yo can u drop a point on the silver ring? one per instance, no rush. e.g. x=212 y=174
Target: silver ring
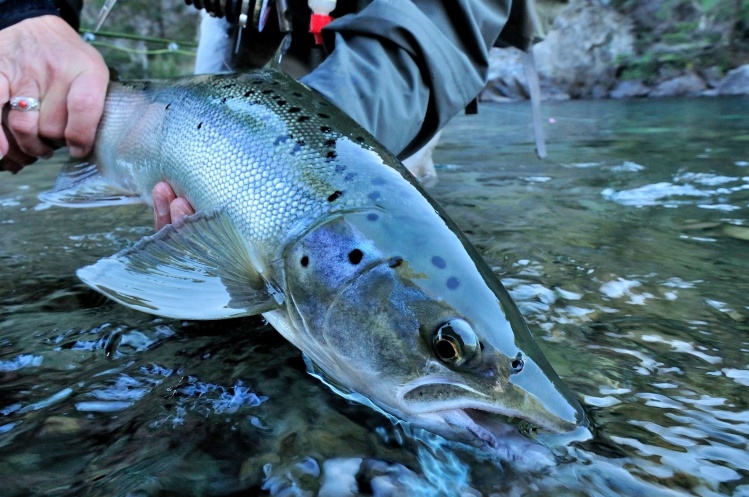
x=24 y=104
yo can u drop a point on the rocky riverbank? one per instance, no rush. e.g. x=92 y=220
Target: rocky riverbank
x=586 y=53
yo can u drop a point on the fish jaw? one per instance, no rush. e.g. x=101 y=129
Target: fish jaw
x=473 y=417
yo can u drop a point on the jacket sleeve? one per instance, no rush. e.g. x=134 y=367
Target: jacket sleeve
x=15 y=11
x=403 y=68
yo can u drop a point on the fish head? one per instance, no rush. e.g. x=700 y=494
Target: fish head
x=421 y=328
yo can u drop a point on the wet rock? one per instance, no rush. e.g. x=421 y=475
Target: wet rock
x=689 y=84
x=629 y=89
x=507 y=80
x=580 y=54
x=736 y=82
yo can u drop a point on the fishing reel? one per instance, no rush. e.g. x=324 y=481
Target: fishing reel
x=244 y=12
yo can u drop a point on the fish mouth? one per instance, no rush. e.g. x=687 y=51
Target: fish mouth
x=469 y=415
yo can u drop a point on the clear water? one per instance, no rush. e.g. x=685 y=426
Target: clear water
x=626 y=251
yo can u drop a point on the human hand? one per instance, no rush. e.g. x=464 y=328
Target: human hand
x=167 y=206
x=45 y=59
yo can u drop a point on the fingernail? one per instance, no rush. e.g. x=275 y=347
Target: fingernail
x=161 y=207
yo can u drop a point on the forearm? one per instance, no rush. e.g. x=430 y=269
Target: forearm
x=15 y=11
x=402 y=69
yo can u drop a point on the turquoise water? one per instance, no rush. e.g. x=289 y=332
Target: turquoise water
x=625 y=250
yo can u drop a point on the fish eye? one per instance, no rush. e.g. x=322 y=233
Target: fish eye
x=455 y=342
x=517 y=364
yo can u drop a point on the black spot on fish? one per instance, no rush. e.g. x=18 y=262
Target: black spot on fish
x=372 y=217
x=331 y=155
x=325 y=129
x=200 y=125
x=248 y=93
x=359 y=139
x=395 y=261
x=297 y=149
x=223 y=100
x=439 y=262
x=294 y=109
x=301 y=119
x=258 y=82
x=305 y=261
x=296 y=94
x=267 y=92
x=230 y=85
x=339 y=168
x=355 y=256
x=452 y=282
x=167 y=106
x=281 y=102
x=323 y=115
x=335 y=195
x=281 y=139
x=349 y=177
x=330 y=143
x=378 y=181
x=374 y=195
x=301 y=143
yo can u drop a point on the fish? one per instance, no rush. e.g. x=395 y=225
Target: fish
x=303 y=217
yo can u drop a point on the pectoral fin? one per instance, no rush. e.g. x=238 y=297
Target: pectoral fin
x=81 y=185
x=198 y=268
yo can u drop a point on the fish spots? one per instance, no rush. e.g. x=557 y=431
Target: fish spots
x=439 y=262
x=335 y=195
x=296 y=94
x=394 y=262
x=248 y=93
x=330 y=143
x=280 y=140
x=378 y=181
x=349 y=177
x=267 y=91
x=281 y=102
x=304 y=261
x=302 y=119
x=323 y=115
x=355 y=256
x=223 y=100
x=372 y=217
x=374 y=196
x=230 y=85
x=200 y=125
x=294 y=110
x=167 y=106
x=331 y=155
x=297 y=148
x=326 y=129
x=360 y=139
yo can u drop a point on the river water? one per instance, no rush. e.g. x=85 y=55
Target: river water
x=625 y=250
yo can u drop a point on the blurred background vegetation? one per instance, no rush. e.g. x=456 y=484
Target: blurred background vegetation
x=144 y=39
x=157 y=38
x=685 y=35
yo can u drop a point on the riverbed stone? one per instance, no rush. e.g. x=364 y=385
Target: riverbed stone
x=581 y=53
x=629 y=89
x=689 y=84
x=736 y=82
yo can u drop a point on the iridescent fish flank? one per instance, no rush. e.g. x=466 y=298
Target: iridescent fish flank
x=303 y=217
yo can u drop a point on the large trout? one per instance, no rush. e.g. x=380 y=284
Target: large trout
x=303 y=217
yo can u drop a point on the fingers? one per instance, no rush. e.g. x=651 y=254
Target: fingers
x=24 y=125
x=85 y=107
x=167 y=207
x=163 y=195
